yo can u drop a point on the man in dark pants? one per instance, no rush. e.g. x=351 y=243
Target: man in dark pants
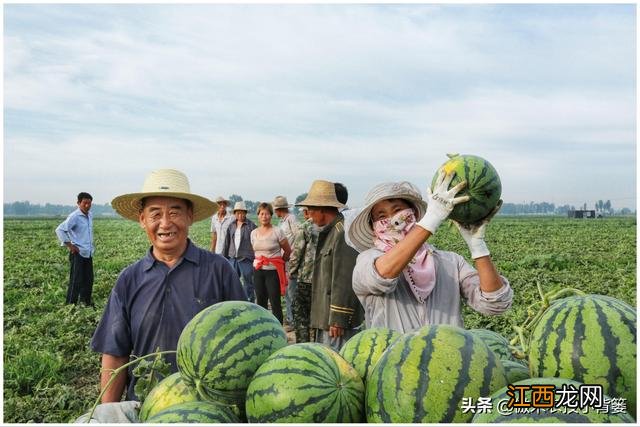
x=76 y=233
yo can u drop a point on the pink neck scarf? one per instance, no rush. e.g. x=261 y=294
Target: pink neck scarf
x=420 y=272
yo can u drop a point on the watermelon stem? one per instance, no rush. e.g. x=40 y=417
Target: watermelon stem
x=117 y=371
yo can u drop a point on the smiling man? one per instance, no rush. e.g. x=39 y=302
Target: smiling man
x=155 y=297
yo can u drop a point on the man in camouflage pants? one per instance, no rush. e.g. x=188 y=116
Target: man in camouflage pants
x=301 y=264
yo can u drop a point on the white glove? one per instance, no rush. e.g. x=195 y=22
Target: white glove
x=441 y=201
x=474 y=234
x=112 y=413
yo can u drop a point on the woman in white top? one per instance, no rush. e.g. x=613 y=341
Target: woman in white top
x=271 y=250
x=404 y=283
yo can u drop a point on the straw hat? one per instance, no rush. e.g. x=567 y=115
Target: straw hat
x=280 y=202
x=360 y=231
x=164 y=183
x=321 y=193
x=221 y=199
x=240 y=206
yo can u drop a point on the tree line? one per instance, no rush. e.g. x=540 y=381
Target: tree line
x=25 y=208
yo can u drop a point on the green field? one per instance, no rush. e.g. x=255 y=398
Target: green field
x=50 y=375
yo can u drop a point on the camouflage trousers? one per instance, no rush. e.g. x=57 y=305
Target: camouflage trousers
x=302 y=312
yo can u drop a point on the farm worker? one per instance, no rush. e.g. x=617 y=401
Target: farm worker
x=155 y=297
x=76 y=233
x=289 y=226
x=336 y=313
x=405 y=283
x=237 y=247
x=301 y=264
x=219 y=224
x=272 y=251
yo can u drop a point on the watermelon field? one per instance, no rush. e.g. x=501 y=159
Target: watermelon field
x=51 y=376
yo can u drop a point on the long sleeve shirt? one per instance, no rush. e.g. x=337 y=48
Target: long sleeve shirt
x=78 y=229
x=390 y=303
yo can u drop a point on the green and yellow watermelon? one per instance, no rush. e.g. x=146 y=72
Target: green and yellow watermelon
x=194 y=412
x=221 y=348
x=365 y=348
x=483 y=187
x=425 y=375
x=565 y=408
x=305 y=383
x=170 y=391
x=498 y=343
x=590 y=339
x=515 y=371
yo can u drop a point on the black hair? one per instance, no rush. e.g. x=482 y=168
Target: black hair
x=83 y=195
x=341 y=193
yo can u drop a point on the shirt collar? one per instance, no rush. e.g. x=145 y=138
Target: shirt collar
x=190 y=254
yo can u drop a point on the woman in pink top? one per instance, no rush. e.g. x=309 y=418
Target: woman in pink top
x=272 y=250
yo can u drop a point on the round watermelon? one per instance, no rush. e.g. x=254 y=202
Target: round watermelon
x=365 y=348
x=590 y=339
x=425 y=375
x=168 y=392
x=503 y=412
x=221 y=348
x=194 y=412
x=305 y=383
x=515 y=371
x=483 y=186
x=498 y=344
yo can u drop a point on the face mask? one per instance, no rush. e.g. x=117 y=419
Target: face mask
x=389 y=231
x=420 y=272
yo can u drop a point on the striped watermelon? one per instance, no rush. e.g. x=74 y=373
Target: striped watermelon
x=424 y=375
x=194 y=412
x=365 y=348
x=498 y=344
x=220 y=349
x=561 y=413
x=483 y=186
x=170 y=391
x=305 y=383
x=515 y=371
x=590 y=339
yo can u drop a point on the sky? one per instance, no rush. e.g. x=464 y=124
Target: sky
x=261 y=100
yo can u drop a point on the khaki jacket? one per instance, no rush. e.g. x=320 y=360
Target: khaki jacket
x=333 y=300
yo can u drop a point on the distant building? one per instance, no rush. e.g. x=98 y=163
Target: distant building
x=579 y=213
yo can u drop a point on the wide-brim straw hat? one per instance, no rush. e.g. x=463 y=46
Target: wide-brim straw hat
x=240 y=206
x=280 y=202
x=321 y=193
x=164 y=183
x=360 y=231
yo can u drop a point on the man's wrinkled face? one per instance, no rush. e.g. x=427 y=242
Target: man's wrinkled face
x=166 y=221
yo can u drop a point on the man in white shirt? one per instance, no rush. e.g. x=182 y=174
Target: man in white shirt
x=219 y=225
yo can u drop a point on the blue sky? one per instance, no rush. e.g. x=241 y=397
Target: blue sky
x=260 y=100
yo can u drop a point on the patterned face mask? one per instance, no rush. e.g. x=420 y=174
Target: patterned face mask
x=420 y=273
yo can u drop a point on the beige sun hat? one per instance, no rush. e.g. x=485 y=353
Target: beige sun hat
x=221 y=199
x=280 y=202
x=240 y=206
x=164 y=183
x=360 y=231
x=321 y=193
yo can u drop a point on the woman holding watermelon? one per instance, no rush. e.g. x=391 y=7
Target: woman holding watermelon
x=405 y=283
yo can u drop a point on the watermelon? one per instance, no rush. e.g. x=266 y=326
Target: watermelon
x=425 y=375
x=305 y=383
x=560 y=413
x=498 y=344
x=590 y=339
x=483 y=187
x=221 y=348
x=194 y=412
x=515 y=371
x=168 y=392
x=365 y=348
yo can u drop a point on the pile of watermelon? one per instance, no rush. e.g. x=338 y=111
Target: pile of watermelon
x=235 y=366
